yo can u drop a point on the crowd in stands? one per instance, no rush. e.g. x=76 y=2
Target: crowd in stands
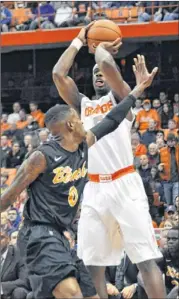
x=22 y=15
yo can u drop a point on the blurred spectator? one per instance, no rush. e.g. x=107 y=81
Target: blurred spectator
x=126 y=278
x=138 y=148
x=13 y=274
x=22 y=16
x=15 y=156
x=43 y=135
x=170 y=263
x=14 y=134
x=14 y=219
x=166 y=114
x=163 y=97
x=156 y=184
x=169 y=169
x=27 y=140
x=6 y=18
x=172 y=129
x=176 y=219
x=4 y=150
x=153 y=154
x=4 y=223
x=63 y=14
x=45 y=14
x=177 y=203
x=146 y=16
x=110 y=275
x=143 y=116
x=14 y=117
x=37 y=114
x=22 y=123
x=13 y=238
x=150 y=135
x=157 y=106
x=144 y=168
x=31 y=126
x=169 y=213
x=170 y=13
x=81 y=13
x=176 y=103
x=160 y=143
x=3 y=178
x=122 y=279
x=138 y=106
x=4 y=123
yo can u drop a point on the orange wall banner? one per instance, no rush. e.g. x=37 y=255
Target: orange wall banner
x=65 y=35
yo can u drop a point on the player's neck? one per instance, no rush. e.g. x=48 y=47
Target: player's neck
x=100 y=95
x=69 y=145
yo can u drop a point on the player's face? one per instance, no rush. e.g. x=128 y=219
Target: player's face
x=99 y=83
x=77 y=126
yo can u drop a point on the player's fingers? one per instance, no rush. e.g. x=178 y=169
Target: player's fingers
x=116 y=47
x=142 y=59
x=116 y=42
x=134 y=69
x=135 y=61
x=154 y=71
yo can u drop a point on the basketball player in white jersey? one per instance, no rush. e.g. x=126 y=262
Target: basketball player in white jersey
x=115 y=208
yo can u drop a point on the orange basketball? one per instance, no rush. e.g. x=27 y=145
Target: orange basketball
x=102 y=31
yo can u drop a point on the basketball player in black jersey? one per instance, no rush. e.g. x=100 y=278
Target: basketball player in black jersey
x=55 y=175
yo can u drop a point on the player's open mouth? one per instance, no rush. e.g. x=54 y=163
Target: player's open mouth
x=99 y=83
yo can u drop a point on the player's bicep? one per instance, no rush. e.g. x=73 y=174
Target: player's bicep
x=31 y=168
x=68 y=90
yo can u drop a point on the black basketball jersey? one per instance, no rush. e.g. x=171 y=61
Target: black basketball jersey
x=55 y=195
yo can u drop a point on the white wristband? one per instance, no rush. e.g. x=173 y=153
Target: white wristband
x=77 y=43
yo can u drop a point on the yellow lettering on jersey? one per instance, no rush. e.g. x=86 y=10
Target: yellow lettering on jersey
x=66 y=175
x=73 y=196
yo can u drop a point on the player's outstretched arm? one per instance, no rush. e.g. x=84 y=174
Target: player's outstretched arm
x=108 y=67
x=113 y=119
x=65 y=85
x=27 y=173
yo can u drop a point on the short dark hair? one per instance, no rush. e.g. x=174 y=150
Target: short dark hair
x=34 y=103
x=160 y=131
x=56 y=113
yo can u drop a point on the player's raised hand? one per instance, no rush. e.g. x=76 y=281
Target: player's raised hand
x=112 y=47
x=141 y=72
x=83 y=33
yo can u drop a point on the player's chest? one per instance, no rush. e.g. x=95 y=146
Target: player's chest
x=93 y=112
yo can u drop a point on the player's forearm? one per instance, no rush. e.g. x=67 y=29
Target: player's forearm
x=64 y=64
x=113 y=119
x=111 y=73
x=7 y=199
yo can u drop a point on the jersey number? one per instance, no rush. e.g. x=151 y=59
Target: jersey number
x=72 y=196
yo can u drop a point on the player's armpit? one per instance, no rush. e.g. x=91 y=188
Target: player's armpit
x=27 y=173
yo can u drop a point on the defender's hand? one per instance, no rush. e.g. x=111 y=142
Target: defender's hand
x=141 y=72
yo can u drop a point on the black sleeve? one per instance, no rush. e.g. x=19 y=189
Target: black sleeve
x=113 y=119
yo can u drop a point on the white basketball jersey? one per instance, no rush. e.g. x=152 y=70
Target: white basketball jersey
x=113 y=151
